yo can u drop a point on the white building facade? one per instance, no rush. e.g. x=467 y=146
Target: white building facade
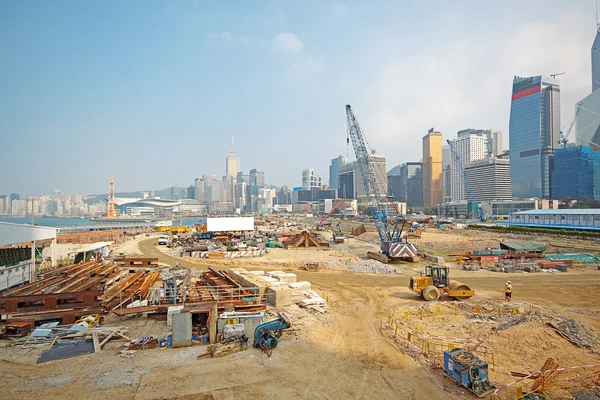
x=469 y=146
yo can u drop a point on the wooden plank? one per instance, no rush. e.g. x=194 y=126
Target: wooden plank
x=96 y=342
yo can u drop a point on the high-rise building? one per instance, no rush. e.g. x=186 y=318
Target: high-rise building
x=405 y=183
x=310 y=180
x=587 y=111
x=470 y=145
x=350 y=179
x=432 y=168
x=576 y=173
x=489 y=179
x=334 y=171
x=199 y=189
x=232 y=165
x=257 y=178
x=446 y=175
x=534 y=134
x=596 y=61
x=284 y=196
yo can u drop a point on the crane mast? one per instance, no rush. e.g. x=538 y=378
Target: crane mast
x=390 y=233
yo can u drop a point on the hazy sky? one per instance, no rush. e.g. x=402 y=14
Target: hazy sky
x=152 y=91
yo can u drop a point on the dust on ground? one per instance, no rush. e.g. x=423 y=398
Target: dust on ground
x=342 y=354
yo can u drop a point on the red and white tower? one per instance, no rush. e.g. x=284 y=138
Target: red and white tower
x=111 y=198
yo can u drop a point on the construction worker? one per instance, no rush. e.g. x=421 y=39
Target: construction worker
x=508 y=291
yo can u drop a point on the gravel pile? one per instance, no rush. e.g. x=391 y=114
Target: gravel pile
x=575 y=332
x=372 y=267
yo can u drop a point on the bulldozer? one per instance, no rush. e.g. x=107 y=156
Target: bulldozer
x=437 y=281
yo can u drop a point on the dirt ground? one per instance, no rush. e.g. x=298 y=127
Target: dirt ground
x=344 y=354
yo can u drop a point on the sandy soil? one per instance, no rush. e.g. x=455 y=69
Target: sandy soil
x=342 y=354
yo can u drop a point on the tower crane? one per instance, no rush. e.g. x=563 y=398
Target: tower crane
x=393 y=247
x=564 y=139
x=468 y=188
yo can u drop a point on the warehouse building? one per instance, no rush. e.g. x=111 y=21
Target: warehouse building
x=564 y=219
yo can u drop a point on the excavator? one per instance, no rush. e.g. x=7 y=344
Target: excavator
x=436 y=282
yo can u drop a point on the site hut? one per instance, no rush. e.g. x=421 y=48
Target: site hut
x=20 y=248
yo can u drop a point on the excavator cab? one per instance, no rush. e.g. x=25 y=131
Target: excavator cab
x=439 y=275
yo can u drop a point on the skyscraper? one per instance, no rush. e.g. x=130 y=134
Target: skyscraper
x=534 y=133
x=432 y=168
x=232 y=166
x=310 y=180
x=588 y=109
x=334 y=171
x=446 y=176
x=470 y=145
x=596 y=61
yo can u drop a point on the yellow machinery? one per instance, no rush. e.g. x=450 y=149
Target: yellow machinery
x=437 y=281
x=173 y=229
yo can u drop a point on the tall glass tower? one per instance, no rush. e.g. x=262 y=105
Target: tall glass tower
x=534 y=133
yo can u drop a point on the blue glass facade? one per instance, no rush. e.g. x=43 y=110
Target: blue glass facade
x=576 y=173
x=533 y=133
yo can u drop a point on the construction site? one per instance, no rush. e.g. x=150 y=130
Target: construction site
x=294 y=306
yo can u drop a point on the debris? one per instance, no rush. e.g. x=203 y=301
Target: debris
x=573 y=331
x=142 y=343
x=372 y=267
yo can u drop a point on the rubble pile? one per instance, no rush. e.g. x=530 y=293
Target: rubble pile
x=576 y=332
x=372 y=267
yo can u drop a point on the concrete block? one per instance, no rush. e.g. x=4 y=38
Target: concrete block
x=279 y=296
x=289 y=278
x=300 y=285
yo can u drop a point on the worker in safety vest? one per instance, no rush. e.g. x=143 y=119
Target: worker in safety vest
x=508 y=291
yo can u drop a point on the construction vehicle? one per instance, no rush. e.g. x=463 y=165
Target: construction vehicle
x=338 y=238
x=266 y=335
x=394 y=245
x=469 y=371
x=437 y=281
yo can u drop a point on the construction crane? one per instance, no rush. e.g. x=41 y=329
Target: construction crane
x=330 y=213
x=553 y=76
x=469 y=189
x=564 y=138
x=393 y=247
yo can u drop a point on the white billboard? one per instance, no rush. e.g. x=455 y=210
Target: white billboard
x=230 y=224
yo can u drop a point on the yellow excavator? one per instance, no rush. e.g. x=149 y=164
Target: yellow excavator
x=437 y=281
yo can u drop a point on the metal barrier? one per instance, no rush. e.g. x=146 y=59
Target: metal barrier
x=433 y=347
x=455 y=307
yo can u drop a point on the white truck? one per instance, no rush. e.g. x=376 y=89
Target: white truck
x=163 y=240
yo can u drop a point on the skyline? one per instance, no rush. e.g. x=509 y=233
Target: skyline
x=152 y=92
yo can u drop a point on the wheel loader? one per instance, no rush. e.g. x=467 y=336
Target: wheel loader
x=435 y=282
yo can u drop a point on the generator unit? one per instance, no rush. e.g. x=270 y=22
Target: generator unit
x=469 y=371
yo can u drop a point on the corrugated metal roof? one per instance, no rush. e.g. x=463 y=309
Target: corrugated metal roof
x=523 y=246
x=576 y=227
x=11 y=233
x=569 y=211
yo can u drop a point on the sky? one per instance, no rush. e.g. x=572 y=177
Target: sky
x=152 y=91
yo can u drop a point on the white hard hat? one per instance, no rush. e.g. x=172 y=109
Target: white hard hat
x=507 y=282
